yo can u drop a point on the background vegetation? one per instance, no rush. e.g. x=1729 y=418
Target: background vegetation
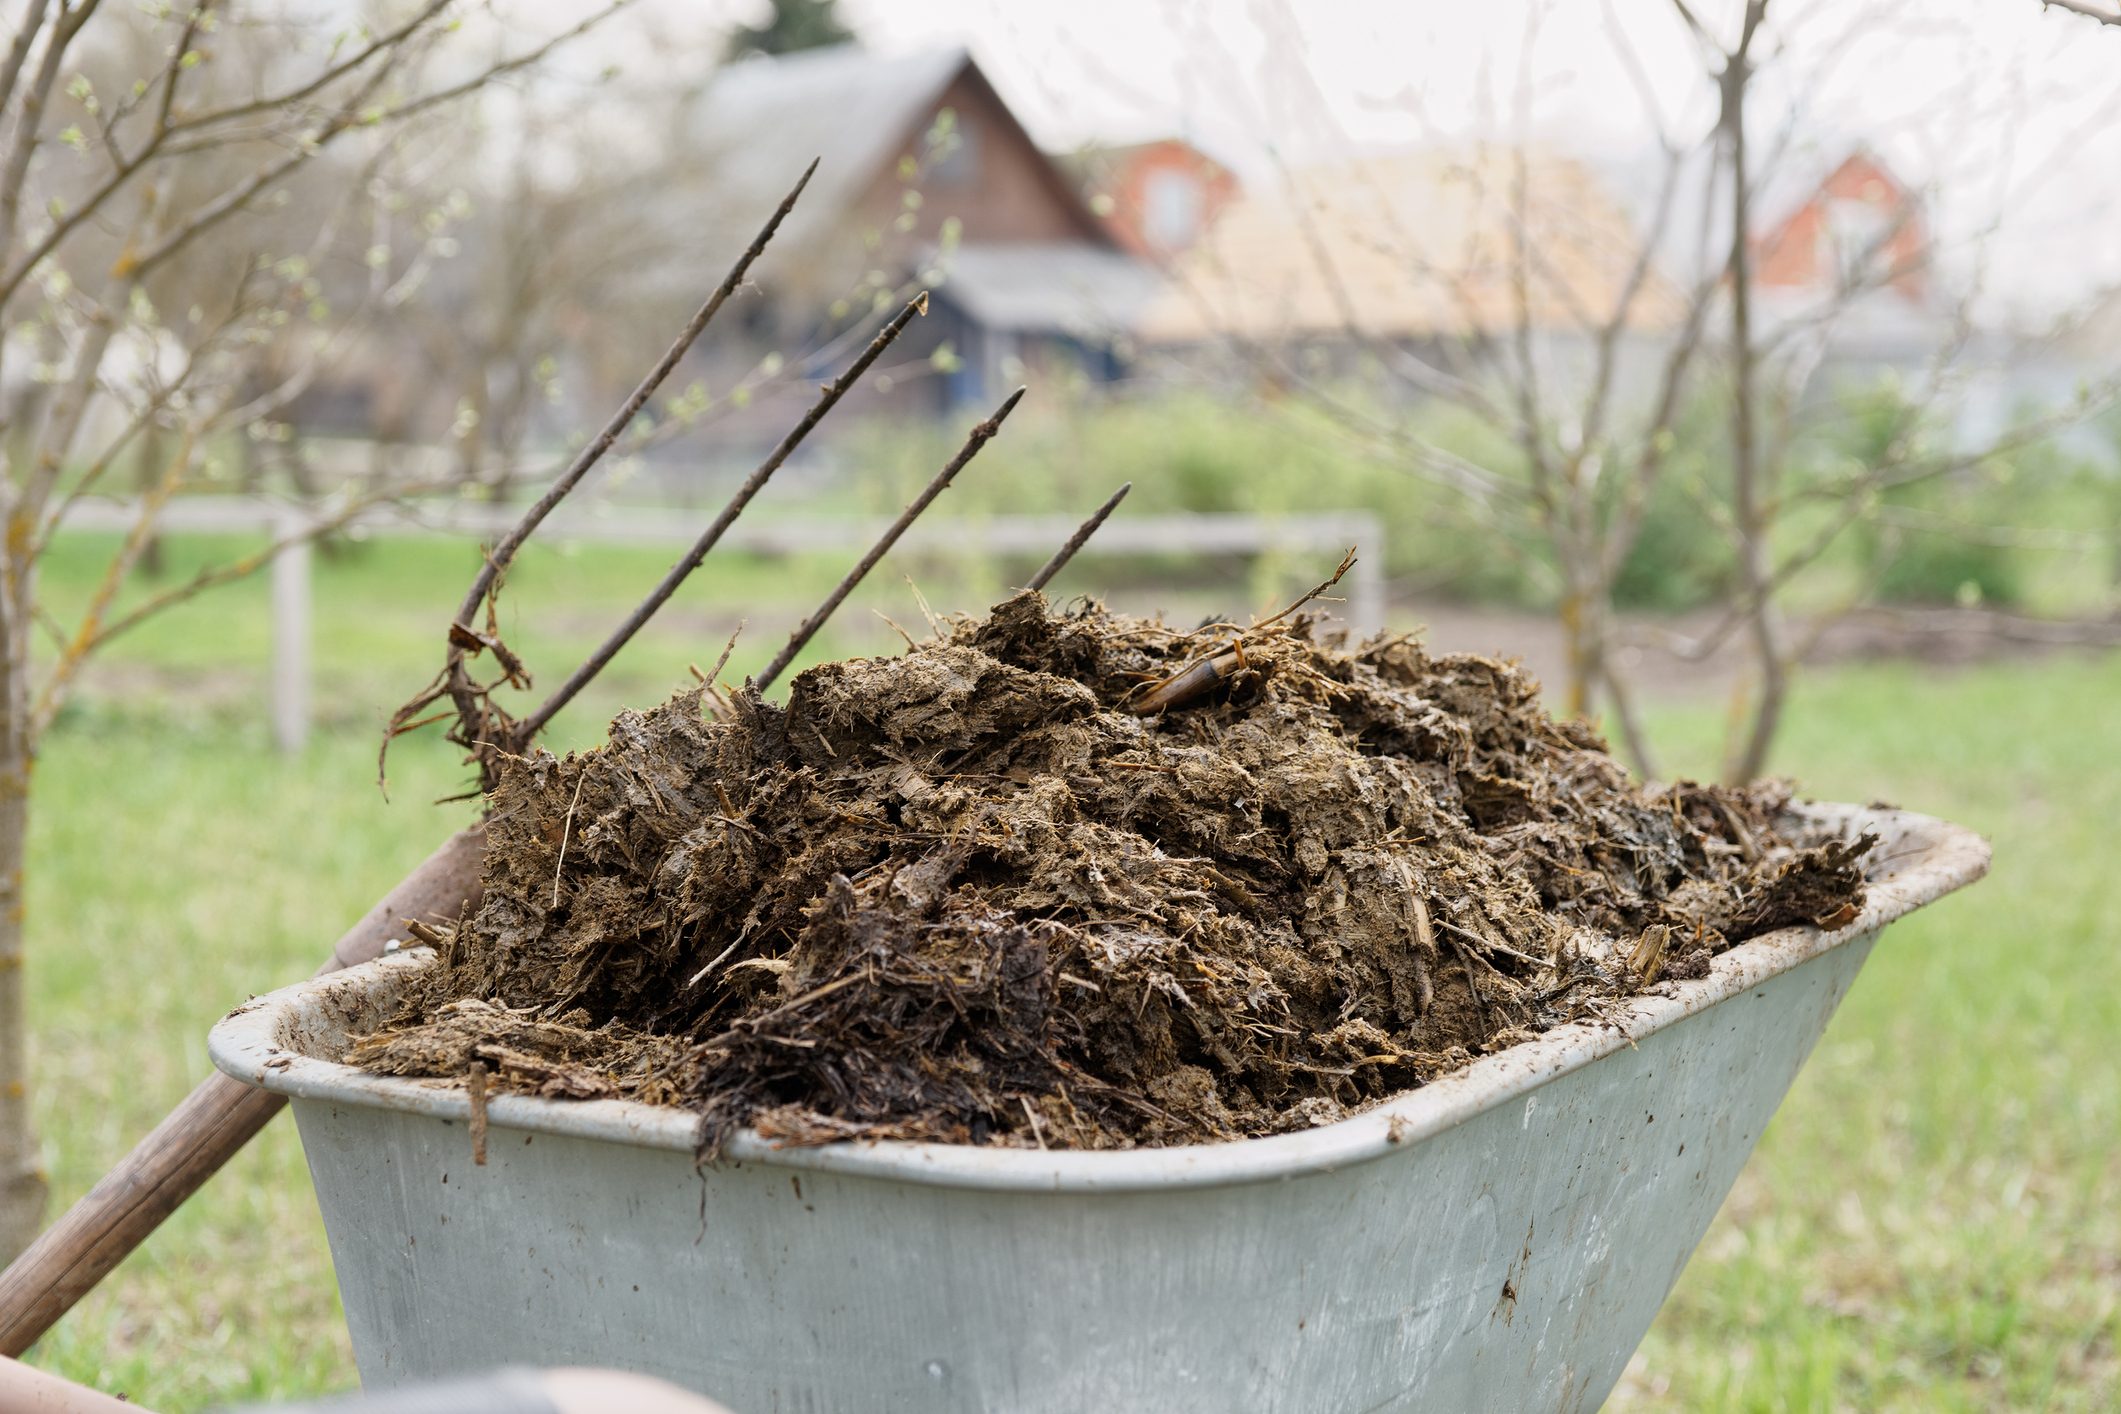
x=2037 y=531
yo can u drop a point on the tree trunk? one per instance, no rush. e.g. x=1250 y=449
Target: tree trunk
x=1749 y=756
x=22 y=1173
x=147 y=473
x=1576 y=646
x=1586 y=598
x=250 y=463
x=308 y=488
x=19 y=424
x=1750 y=496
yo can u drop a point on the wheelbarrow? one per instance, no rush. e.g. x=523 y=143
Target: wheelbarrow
x=1498 y=1239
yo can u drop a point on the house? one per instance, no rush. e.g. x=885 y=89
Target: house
x=1847 y=280
x=1158 y=198
x=1417 y=251
x=1850 y=288
x=1859 y=224
x=1843 y=255
x=925 y=178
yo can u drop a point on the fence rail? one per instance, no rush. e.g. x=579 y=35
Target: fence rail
x=289 y=696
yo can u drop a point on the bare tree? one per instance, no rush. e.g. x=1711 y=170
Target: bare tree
x=1781 y=527
x=1490 y=251
x=1590 y=345
x=552 y=264
x=149 y=247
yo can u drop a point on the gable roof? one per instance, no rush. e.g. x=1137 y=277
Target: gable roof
x=761 y=120
x=1048 y=287
x=1408 y=245
x=1793 y=185
x=1092 y=161
x=1697 y=239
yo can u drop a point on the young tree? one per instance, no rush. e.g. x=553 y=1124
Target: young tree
x=570 y=255
x=1590 y=348
x=153 y=265
x=1780 y=516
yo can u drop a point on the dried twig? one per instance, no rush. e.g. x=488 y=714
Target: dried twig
x=1347 y=562
x=657 y=597
x=1081 y=537
x=1209 y=670
x=707 y=678
x=976 y=439
x=1038 y=1131
x=567 y=831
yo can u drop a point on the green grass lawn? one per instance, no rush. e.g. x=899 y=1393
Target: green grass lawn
x=379 y=608
x=1934 y=1222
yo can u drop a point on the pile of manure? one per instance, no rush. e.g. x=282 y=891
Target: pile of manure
x=1066 y=877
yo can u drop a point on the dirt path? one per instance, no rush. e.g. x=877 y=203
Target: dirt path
x=1944 y=637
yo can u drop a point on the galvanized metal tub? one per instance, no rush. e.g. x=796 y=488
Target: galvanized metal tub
x=1499 y=1239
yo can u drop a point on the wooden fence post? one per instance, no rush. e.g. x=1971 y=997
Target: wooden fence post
x=1365 y=609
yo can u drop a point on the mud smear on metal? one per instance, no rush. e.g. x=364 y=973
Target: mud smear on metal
x=974 y=894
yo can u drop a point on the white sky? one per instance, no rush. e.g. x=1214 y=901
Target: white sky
x=2006 y=110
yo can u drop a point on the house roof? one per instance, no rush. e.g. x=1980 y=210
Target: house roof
x=1068 y=288
x=1092 y=161
x=1802 y=178
x=1409 y=245
x=762 y=120
x=1698 y=237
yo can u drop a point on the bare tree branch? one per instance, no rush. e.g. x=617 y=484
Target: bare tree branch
x=2087 y=10
x=228 y=572
x=349 y=116
x=29 y=117
x=494 y=73
x=385 y=42
x=88 y=632
x=18 y=49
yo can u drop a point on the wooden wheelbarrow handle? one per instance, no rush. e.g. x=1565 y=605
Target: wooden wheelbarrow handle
x=204 y=1131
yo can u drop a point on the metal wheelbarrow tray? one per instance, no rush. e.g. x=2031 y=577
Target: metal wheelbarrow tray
x=1499 y=1239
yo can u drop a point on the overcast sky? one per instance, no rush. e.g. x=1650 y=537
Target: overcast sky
x=2009 y=111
